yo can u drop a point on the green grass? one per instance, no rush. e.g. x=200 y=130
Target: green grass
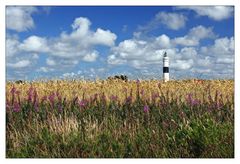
x=169 y=129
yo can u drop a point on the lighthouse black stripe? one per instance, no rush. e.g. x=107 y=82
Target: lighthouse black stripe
x=165 y=69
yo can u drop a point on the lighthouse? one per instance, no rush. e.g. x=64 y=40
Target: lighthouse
x=165 y=67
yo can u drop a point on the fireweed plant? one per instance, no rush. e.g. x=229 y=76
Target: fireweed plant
x=118 y=119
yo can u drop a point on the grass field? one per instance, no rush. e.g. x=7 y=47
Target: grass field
x=113 y=118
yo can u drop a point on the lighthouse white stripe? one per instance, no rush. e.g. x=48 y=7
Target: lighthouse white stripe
x=165 y=64
x=166 y=76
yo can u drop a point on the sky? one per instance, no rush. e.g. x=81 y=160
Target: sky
x=101 y=41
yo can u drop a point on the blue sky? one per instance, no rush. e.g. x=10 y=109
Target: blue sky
x=97 y=42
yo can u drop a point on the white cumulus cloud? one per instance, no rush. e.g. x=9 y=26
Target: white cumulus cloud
x=34 y=44
x=170 y=20
x=19 y=64
x=222 y=50
x=173 y=21
x=64 y=51
x=194 y=36
x=164 y=41
x=217 y=13
x=19 y=18
x=12 y=44
x=188 y=60
x=91 y=57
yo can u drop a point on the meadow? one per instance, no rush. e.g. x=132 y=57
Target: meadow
x=119 y=119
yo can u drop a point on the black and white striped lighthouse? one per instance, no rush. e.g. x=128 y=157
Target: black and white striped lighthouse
x=165 y=67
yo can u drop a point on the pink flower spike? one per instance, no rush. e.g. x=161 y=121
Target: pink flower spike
x=13 y=90
x=114 y=98
x=146 y=108
x=16 y=107
x=82 y=103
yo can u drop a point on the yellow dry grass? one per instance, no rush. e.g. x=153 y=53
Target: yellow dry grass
x=70 y=89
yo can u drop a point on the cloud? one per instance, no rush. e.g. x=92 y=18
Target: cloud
x=70 y=48
x=45 y=69
x=190 y=59
x=84 y=37
x=91 y=73
x=137 y=52
x=103 y=37
x=222 y=50
x=20 y=18
x=50 y=62
x=173 y=21
x=194 y=36
x=216 y=13
x=188 y=53
x=11 y=45
x=34 y=44
x=80 y=43
x=19 y=64
x=63 y=52
x=183 y=64
x=140 y=55
x=91 y=57
x=164 y=41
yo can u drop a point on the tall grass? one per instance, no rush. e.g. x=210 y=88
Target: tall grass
x=110 y=118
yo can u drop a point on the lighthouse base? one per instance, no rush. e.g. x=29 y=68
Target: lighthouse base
x=165 y=77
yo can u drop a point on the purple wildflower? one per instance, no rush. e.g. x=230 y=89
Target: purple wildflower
x=103 y=98
x=36 y=106
x=138 y=82
x=13 y=90
x=146 y=108
x=57 y=94
x=8 y=106
x=35 y=96
x=195 y=102
x=51 y=99
x=191 y=100
x=59 y=107
x=82 y=103
x=154 y=96
x=30 y=94
x=128 y=100
x=16 y=107
x=114 y=98
x=217 y=105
